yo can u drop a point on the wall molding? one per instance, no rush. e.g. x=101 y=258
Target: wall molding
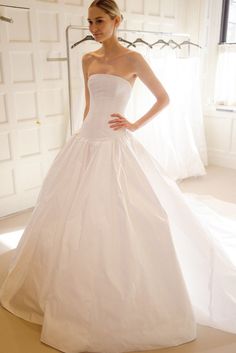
x=222 y=159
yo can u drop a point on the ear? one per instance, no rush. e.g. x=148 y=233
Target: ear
x=117 y=21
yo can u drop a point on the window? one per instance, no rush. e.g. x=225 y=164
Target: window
x=228 y=22
x=225 y=79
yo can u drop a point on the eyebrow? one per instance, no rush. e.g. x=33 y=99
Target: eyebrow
x=95 y=18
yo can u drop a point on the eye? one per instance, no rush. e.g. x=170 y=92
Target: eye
x=99 y=21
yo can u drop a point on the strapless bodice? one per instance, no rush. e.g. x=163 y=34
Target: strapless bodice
x=108 y=94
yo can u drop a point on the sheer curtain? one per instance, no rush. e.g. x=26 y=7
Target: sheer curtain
x=176 y=135
x=225 y=84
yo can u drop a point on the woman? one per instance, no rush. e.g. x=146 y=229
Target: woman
x=96 y=265
x=113 y=58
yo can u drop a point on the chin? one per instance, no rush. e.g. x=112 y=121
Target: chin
x=98 y=40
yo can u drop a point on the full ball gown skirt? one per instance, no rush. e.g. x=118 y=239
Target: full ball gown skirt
x=96 y=265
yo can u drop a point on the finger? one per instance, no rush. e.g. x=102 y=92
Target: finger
x=118 y=120
x=117 y=114
x=117 y=125
x=113 y=120
x=113 y=126
x=120 y=127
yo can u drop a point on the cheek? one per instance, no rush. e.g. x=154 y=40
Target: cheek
x=105 y=26
x=108 y=29
x=102 y=26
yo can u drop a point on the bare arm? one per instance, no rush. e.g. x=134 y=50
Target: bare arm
x=145 y=73
x=85 y=72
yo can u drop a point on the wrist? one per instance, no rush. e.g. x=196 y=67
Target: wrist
x=135 y=125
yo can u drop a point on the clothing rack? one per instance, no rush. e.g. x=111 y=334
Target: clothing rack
x=140 y=40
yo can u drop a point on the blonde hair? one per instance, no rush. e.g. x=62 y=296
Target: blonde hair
x=110 y=7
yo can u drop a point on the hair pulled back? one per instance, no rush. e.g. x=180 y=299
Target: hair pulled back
x=110 y=7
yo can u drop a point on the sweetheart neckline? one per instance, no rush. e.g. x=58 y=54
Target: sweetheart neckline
x=120 y=77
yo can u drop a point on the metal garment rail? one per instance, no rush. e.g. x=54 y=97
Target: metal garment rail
x=71 y=27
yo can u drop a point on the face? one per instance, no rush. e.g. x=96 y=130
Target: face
x=101 y=25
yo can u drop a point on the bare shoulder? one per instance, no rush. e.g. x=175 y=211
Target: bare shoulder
x=140 y=64
x=86 y=57
x=137 y=62
x=136 y=59
x=86 y=61
x=134 y=56
x=91 y=55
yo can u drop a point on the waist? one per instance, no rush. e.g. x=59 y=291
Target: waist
x=91 y=130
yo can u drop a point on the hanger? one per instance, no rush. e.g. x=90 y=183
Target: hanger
x=88 y=37
x=140 y=40
x=159 y=41
x=126 y=41
x=191 y=43
x=171 y=41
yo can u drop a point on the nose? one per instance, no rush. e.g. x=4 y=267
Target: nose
x=93 y=29
x=94 y=33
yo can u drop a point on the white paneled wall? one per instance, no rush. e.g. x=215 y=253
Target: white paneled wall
x=221 y=138
x=33 y=91
x=33 y=97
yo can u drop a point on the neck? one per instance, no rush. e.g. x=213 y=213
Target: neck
x=111 y=46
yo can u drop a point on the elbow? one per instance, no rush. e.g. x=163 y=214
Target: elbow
x=165 y=100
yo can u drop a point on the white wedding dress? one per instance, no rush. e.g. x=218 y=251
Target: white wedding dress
x=115 y=258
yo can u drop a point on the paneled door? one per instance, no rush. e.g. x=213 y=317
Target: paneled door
x=33 y=100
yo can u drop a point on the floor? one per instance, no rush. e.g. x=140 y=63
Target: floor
x=19 y=336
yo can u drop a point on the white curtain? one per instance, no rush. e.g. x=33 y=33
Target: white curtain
x=225 y=84
x=176 y=135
